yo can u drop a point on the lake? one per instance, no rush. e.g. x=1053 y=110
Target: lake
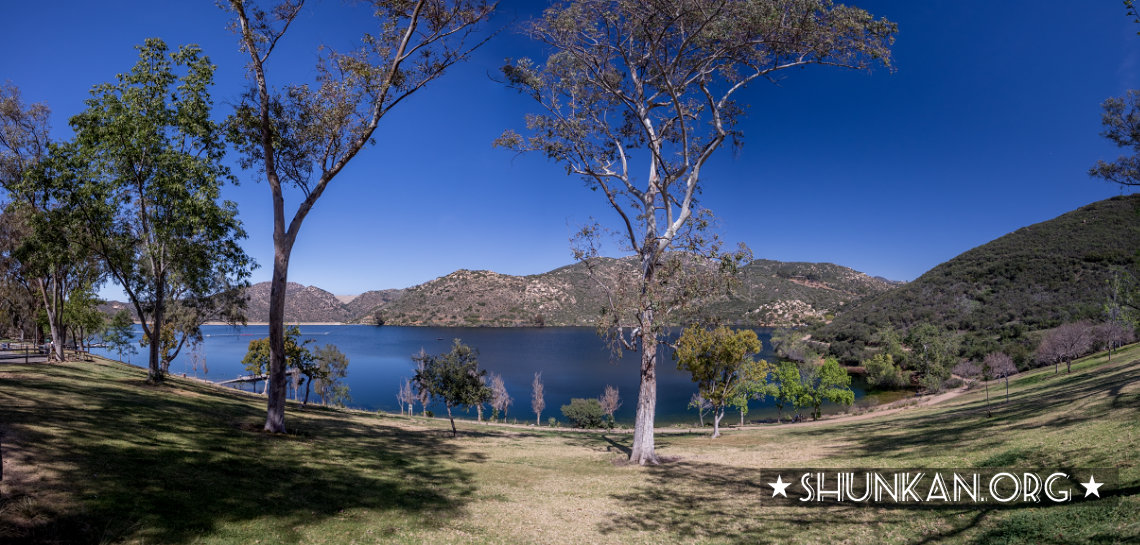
x=574 y=362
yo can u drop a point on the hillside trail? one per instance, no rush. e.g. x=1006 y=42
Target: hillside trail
x=900 y=406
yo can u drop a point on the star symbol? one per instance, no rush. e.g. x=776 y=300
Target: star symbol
x=1092 y=487
x=779 y=487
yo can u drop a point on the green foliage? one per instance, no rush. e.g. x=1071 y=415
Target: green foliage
x=120 y=334
x=1121 y=120
x=934 y=352
x=788 y=388
x=453 y=378
x=1033 y=279
x=45 y=247
x=297 y=355
x=145 y=172
x=827 y=382
x=81 y=314
x=883 y=373
x=584 y=413
x=323 y=368
x=329 y=365
x=721 y=362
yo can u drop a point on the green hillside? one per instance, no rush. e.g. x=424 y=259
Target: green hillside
x=1034 y=278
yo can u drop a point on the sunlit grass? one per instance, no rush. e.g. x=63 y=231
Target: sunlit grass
x=94 y=454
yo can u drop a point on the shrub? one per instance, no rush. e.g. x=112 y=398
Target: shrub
x=584 y=413
x=883 y=373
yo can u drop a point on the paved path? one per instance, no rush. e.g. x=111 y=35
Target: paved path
x=15 y=354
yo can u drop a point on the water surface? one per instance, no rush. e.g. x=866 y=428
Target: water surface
x=574 y=362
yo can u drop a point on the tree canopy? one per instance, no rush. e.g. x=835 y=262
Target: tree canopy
x=453 y=377
x=145 y=172
x=720 y=360
x=304 y=135
x=653 y=87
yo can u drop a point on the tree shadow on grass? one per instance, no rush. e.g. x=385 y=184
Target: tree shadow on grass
x=684 y=500
x=935 y=433
x=182 y=462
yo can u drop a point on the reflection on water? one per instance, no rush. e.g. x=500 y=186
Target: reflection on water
x=574 y=363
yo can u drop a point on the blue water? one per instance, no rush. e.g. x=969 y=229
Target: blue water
x=574 y=362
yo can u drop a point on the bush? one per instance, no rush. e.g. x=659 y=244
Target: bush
x=883 y=373
x=584 y=413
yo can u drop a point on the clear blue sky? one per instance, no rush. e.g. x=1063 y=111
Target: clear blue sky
x=989 y=123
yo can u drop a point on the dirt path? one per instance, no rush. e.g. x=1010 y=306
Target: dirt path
x=890 y=408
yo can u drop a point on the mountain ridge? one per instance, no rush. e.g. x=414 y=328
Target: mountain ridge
x=772 y=293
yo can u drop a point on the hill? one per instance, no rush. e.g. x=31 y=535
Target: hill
x=771 y=293
x=1034 y=278
x=93 y=454
x=302 y=304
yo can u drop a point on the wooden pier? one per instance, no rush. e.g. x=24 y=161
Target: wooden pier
x=254 y=378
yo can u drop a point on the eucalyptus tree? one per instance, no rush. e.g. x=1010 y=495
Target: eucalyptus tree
x=1121 y=120
x=304 y=136
x=658 y=84
x=146 y=174
x=48 y=251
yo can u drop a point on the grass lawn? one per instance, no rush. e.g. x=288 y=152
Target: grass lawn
x=92 y=454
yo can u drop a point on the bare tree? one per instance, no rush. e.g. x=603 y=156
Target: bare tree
x=702 y=406
x=656 y=83
x=295 y=133
x=611 y=402
x=972 y=370
x=537 y=402
x=500 y=400
x=1111 y=335
x=406 y=396
x=1000 y=366
x=422 y=393
x=1071 y=340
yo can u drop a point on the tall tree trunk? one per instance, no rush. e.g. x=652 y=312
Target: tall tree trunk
x=717 y=415
x=52 y=308
x=275 y=388
x=987 y=394
x=452 y=419
x=1007 y=389
x=479 y=412
x=154 y=370
x=308 y=383
x=642 y=451
x=1069 y=365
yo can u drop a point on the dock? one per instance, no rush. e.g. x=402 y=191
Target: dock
x=254 y=378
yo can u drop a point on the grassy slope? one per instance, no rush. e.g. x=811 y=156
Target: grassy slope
x=92 y=454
